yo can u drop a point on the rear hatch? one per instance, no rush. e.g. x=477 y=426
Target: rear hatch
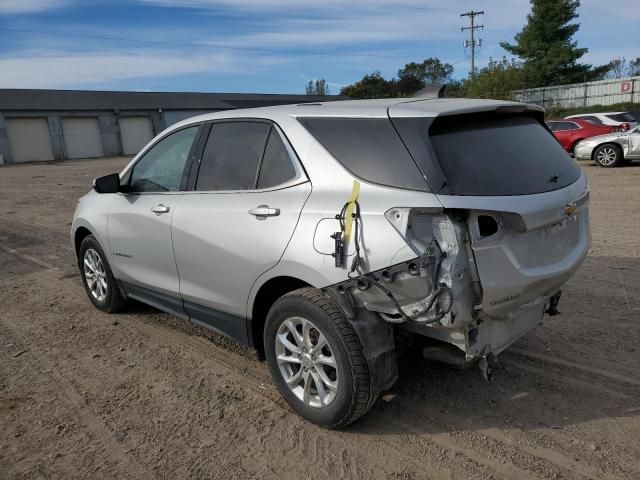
x=528 y=200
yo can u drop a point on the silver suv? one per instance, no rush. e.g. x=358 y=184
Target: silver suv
x=317 y=233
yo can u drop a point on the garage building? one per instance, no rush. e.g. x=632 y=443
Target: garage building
x=42 y=125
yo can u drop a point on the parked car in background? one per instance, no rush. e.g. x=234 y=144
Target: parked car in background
x=420 y=219
x=570 y=132
x=624 y=120
x=610 y=150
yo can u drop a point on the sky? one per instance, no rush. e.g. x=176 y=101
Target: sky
x=266 y=46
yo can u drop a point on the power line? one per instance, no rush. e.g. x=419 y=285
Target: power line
x=473 y=43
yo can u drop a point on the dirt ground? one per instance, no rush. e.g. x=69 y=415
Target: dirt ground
x=144 y=395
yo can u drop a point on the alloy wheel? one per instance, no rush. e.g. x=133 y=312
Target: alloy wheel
x=607 y=156
x=306 y=362
x=95 y=275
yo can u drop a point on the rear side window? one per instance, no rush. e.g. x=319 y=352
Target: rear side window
x=621 y=117
x=369 y=148
x=498 y=154
x=591 y=119
x=563 y=126
x=276 y=167
x=232 y=155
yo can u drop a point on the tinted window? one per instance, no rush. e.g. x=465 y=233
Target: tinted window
x=276 y=167
x=493 y=154
x=369 y=148
x=161 y=168
x=621 y=117
x=232 y=155
x=591 y=119
x=553 y=126
x=563 y=126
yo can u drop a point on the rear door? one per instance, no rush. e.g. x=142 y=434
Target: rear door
x=236 y=222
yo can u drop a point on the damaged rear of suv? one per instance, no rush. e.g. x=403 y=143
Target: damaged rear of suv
x=490 y=235
x=317 y=233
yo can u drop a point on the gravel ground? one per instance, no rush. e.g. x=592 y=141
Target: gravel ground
x=144 y=395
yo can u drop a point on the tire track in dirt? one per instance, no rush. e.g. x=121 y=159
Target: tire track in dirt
x=317 y=444
x=77 y=404
x=258 y=381
x=573 y=365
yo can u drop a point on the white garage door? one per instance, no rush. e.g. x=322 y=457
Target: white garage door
x=29 y=139
x=135 y=133
x=82 y=137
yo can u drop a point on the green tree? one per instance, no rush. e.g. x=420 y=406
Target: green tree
x=372 y=85
x=545 y=45
x=317 y=87
x=412 y=78
x=415 y=76
x=497 y=80
x=634 y=67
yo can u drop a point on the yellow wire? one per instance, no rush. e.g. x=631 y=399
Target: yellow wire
x=349 y=212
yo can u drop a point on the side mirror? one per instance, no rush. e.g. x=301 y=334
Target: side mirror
x=107 y=184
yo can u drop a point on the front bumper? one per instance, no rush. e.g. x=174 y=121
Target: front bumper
x=583 y=151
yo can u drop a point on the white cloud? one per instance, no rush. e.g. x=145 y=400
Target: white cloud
x=8 y=7
x=69 y=70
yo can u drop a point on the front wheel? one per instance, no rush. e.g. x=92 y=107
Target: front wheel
x=608 y=156
x=97 y=277
x=316 y=359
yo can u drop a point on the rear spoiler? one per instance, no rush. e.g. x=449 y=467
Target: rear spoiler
x=432 y=91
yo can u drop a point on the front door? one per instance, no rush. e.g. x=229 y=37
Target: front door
x=139 y=223
x=237 y=222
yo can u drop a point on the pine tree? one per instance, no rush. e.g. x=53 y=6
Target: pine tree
x=545 y=45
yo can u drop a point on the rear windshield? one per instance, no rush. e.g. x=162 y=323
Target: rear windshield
x=621 y=117
x=369 y=148
x=500 y=155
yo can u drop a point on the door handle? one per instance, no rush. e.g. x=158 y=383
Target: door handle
x=160 y=209
x=264 y=211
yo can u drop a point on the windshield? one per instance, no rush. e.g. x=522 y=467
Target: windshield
x=492 y=154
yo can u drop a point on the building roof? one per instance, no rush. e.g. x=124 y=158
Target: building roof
x=60 y=100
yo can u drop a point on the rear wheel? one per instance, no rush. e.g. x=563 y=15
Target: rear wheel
x=97 y=278
x=316 y=359
x=608 y=155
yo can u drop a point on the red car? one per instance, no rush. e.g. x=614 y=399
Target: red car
x=570 y=132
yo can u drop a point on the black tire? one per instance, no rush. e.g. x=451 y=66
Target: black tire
x=608 y=155
x=113 y=299
x=353 y=397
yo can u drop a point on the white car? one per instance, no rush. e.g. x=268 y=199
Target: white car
x=624 y=120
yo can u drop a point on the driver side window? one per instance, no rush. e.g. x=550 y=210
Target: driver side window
x=161 y=168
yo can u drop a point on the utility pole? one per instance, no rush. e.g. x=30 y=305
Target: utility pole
x=473 y=43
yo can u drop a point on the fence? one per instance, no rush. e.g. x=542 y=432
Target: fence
x=604 y=92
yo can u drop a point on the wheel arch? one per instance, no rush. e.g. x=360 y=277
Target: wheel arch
x=266 y=295
x=79 y=235
x=613 y=144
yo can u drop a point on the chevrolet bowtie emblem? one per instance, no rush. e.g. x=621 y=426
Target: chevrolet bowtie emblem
x=570 y=209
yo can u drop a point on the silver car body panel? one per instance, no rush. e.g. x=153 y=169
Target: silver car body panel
x=628 y=141
x=498 y=286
